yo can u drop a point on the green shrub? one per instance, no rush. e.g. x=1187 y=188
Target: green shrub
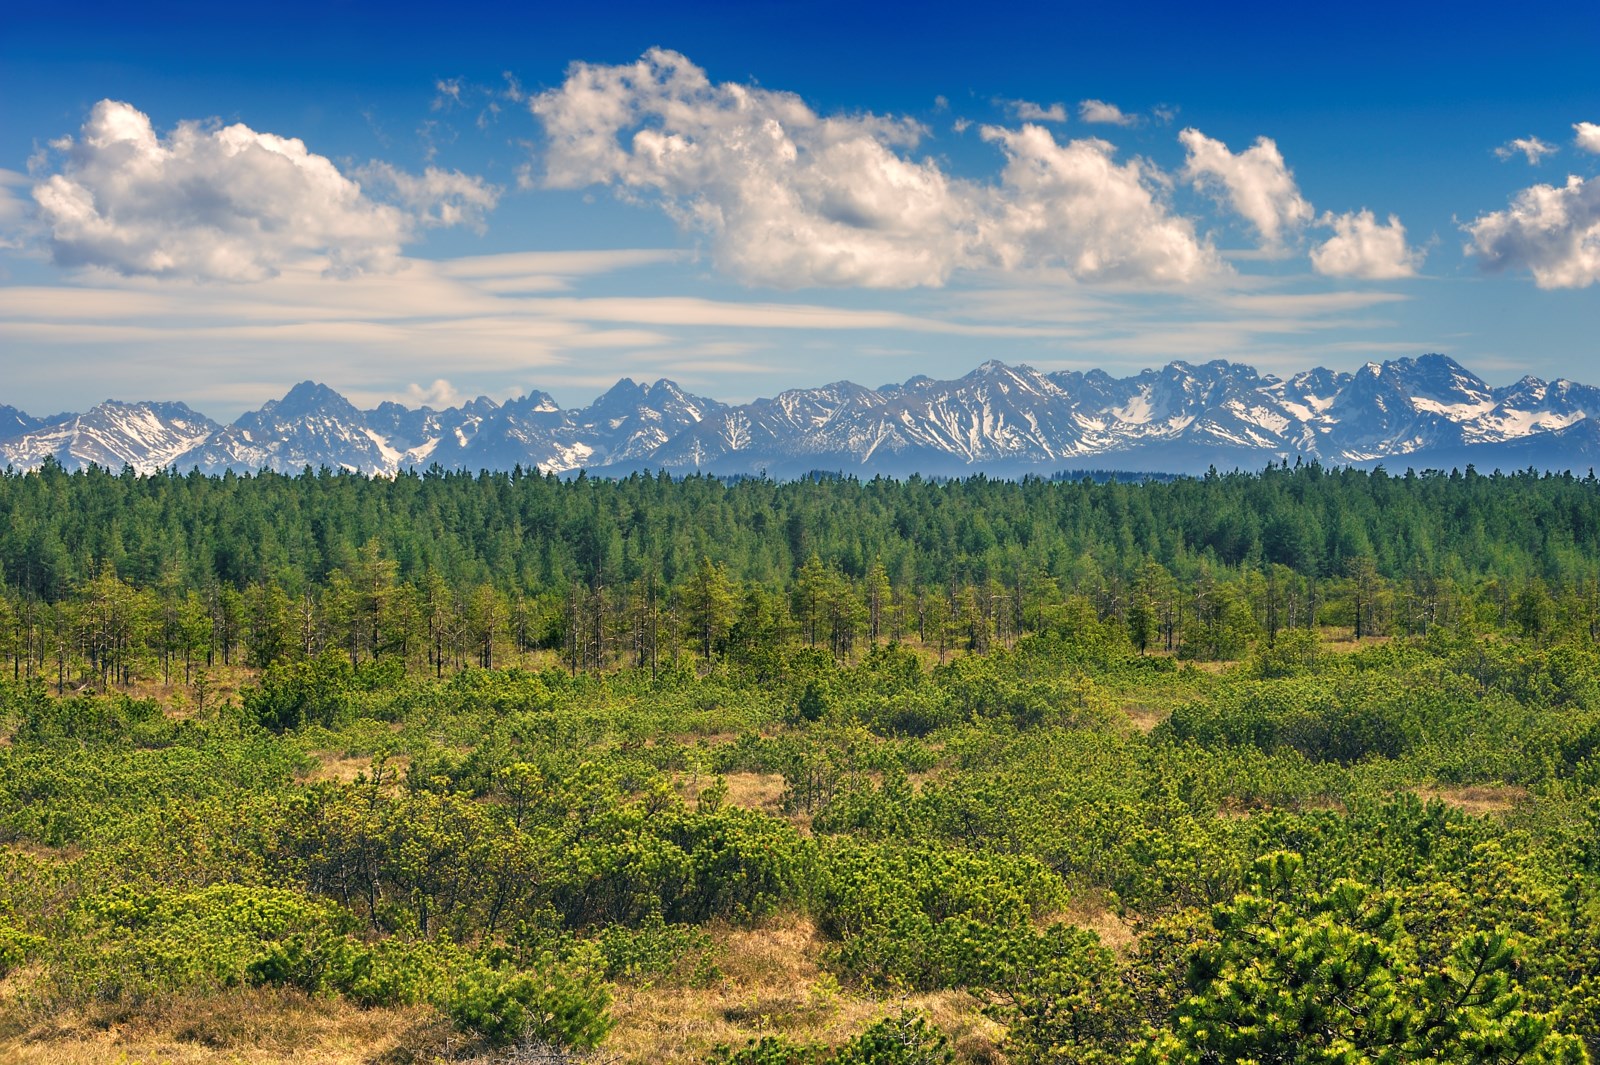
x=504 y=1005
x=16 y=947
x=653 y=949
x=88 y=720
x=904 y=1039
x=127 y=944
x=312 y=691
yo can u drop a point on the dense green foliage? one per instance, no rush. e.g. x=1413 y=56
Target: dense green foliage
x=532 y=832
x=104 y=578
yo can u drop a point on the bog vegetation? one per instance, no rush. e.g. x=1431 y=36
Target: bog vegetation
x=1301 y=766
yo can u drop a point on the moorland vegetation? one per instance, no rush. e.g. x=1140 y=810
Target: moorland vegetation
x=1298 y=766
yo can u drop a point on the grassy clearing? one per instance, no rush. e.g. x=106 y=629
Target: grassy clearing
x=773 y=982
x=769 y=980
x=1478 y=801
x=254 y=1026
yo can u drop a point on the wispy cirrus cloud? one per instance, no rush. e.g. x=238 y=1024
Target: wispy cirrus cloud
x=478 y=322
x=489 y=323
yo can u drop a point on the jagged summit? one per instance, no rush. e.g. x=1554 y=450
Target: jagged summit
x=999 y=418
x=146 y=436
x=309 y=397
x=14 y=422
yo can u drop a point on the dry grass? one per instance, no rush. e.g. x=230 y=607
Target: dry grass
x=772 y=982
x=1478 y=801
x=270 y=1028
x=343 y=769
x=756 y=791
x=1342 y=638
x=926 y=653
x=708 y=739
x=1092 y=913
x=753 y=791
x=174 y=696
x=43 y=852
x=1145 y=718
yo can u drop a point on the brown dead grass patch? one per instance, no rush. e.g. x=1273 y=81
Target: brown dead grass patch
x=1092 y=913
x=344 y=769
x=1478 y=801
x=272 y=1028
x=1343 y=639
x=709 y=739
x=1145 y=718
x=928 y=653
x=753 y=791
x=174 y=695
x=772 y=983
x=43 y=852
x=756 y=791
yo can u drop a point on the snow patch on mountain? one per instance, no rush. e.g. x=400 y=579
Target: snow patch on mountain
x=146 y=436
x=1012 y=419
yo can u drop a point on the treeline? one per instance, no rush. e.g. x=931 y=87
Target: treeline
x=113 y=578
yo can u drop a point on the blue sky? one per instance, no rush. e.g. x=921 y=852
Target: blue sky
x=749 y=197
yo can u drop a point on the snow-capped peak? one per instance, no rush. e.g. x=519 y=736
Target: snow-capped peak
x=1181 y=416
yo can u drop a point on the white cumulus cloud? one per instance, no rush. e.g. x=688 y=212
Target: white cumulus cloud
x=1531 y=148
x=224 y=203
x=1256 y=183
x=1587 y=136
x=438 y=395
x=1552 y=232
x=788 y=197
x=1028 y=111
x=1102 y=112
x=1362 y=247
x=436 y=197
x=1072 y=204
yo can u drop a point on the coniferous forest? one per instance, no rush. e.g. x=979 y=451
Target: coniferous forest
x=1296 y=766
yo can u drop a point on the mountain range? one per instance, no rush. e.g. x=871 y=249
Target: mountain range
x=1426 y=412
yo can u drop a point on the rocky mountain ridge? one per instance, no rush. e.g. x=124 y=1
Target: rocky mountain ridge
x=1003 y=420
